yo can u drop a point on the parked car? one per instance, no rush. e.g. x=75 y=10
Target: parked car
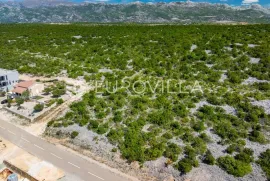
x=4 y=101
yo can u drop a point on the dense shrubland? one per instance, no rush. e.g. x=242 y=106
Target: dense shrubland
x=149 y=125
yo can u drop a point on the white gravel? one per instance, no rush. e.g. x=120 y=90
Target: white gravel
x=254 y=60
x=229 y=110
x=216 y=149
x=223 y=77
x=265 y=104
x=198 y=106
x=208 y=52
x=193 y=47
x=77 y=37
x=252 y=45
x=257 y=148
x=252 y=80
x=98 y=144
x=213 y=173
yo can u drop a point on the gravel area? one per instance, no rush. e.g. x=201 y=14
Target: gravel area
x=193 y=47
x=254 y=60
x=159 y=169
x=214 y=173
x=257 y=148
x=252 y=45
x=216 y=149
x=208 y=52
x=252 y=80
x=228 y=109
x=88 y=139
x=223 y=77
x=265 y=104
x=198 y=106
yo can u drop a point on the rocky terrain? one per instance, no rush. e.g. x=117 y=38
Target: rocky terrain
x=175 y=12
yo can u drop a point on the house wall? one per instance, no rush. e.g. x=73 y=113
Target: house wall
x=36 y=89
x=8 y=79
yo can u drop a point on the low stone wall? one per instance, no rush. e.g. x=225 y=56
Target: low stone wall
x=19 y=114
x=34 y=118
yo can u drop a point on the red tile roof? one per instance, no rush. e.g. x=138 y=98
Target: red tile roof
x=25 y=84
x=19 y=90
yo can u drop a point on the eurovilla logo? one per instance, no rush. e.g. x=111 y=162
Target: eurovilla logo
x=170 y=86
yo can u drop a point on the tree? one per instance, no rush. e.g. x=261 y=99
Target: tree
x=26 y=95
x=19 y=101
x=39 y=107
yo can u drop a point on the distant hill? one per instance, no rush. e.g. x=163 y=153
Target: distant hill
x=177 y=12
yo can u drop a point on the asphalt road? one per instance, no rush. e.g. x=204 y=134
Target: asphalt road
x=62 y=159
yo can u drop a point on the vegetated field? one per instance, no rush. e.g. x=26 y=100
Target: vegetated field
x=230 y=63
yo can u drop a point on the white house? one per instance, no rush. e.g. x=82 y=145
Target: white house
x=8 y=78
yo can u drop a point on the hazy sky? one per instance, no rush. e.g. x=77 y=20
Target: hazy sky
x=230 y=2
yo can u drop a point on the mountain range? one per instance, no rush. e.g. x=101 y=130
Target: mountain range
x=174 y=12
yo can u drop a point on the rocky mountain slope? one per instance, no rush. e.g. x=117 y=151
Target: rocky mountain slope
x=176 y=12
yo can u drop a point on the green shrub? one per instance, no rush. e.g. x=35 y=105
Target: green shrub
x=199 y=145
x=167 y=135
x=264 y=162
x=257 y=136
x=199 y=126
x=244 y=157
x=50 y=123
x=172 y=151
x=115 y=136
x=185 y=165
x=39 y=107
x=19 y=101
x=93 y=124
x=133 y=146
x=102 y=129
x=234 y=148
x=60 y=101
x=155 y=150
x=205 y=138
x=117 y=116
x=114 y=150
x=74 y=134
x=233 y=166
x=190 y=152
x=209 y=158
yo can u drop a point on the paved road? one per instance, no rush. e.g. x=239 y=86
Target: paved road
x=60 y=158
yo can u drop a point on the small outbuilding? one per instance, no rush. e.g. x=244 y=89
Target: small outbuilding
x=33 y=87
